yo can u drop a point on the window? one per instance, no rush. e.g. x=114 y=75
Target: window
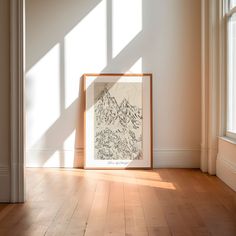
x=231 y=69
x=232 y=3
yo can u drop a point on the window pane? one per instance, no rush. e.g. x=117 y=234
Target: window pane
x=232 y=3
x=232 y=75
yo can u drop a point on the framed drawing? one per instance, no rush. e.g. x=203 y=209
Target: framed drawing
x=118 y=121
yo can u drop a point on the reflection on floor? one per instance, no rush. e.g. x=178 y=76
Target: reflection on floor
x=134 y=202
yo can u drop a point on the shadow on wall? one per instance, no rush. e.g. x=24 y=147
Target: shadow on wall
x=65 y=40
x=54 y=107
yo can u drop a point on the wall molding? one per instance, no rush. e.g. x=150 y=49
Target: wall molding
x=17 y=101
x=4 y=181
x=162 y=158
x=226 y=162
x=226 y=171
x=211 y=74
x=204 y=83
x=4 y=171
x=177 y=158
x=64 y=158
x=213 y=117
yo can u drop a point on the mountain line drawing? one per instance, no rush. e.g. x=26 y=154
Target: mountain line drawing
x=118 y=129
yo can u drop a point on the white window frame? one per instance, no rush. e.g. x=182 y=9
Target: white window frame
x=228 y=14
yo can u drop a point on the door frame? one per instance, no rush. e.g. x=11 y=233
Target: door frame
x=17 y=122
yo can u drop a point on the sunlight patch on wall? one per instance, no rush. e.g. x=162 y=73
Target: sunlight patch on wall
x=127 y=23
x=43 y=95
x=85 y=50
x=137 y=67
x=53 y=161
x=60 y=158
x=69 y=158
x=69 y=143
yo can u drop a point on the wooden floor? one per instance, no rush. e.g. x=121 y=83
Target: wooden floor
x=161 y=202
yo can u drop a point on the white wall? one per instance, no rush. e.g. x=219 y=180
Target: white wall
x=66 y=39
x=4 y=101
x=226 y=162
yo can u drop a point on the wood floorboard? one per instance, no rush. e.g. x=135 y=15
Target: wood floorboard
x=164 y=202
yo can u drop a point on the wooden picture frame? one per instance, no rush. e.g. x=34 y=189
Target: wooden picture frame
x=118 y=121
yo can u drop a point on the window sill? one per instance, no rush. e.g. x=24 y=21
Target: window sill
x=228 y=139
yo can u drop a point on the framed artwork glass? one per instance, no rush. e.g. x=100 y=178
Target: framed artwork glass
x=118 y=121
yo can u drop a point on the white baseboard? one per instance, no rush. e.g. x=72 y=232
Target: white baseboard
x=226 y=171
x=75 y=158
x=5 y=184
x=4 y=171
x=176 y=158
x=55 y=158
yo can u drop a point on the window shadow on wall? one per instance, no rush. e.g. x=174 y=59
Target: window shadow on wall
x=64 y=41
x=67 y=39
